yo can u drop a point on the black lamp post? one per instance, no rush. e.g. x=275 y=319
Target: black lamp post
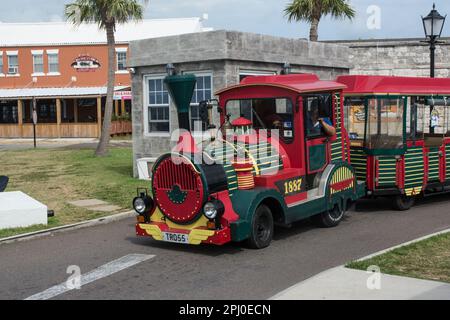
x=287 y=69
x=433 y=24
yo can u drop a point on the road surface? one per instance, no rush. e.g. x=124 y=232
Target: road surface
x=207 y=272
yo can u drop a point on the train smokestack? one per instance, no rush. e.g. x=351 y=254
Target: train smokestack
x=181 y=89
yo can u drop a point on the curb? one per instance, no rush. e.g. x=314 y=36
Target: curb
x=344 y=266
x=281 y=293
x=402 y=245
x=69 y=227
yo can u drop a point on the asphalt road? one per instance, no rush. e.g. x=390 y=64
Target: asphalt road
x=208 y=272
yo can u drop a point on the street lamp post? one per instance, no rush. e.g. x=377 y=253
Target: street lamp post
x=433 y=24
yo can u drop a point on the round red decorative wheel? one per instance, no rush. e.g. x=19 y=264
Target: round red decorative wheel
x=178 y=189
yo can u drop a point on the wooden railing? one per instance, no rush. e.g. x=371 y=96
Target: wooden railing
x=79 y=130
x=120 y=127
x=10 y=131
x=50 y=130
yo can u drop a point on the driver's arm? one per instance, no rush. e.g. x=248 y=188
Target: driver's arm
x=329 y=130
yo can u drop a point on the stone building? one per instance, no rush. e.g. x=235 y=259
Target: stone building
x=397 y=57
x=218 y=59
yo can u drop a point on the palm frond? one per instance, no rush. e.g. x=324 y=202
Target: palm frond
x=300 y=10
x=307 y=10
x=104 y=12
x=339 y=9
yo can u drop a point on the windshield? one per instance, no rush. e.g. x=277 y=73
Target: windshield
x=385 y=123
x=265 y=113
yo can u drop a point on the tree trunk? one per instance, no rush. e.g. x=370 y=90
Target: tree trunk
x=314 y=31
x=102 y=148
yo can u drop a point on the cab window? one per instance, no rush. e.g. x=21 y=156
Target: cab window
x=433 y=120
x=317 y=107
x=355 y=118
x=266 y=113
x=385 y=123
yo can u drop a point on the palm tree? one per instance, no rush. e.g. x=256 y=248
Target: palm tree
x=313 y=10
x=107 y=14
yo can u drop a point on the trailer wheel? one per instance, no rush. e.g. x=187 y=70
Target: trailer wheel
x=403 y=203
x=330 y=218
x=261 y=228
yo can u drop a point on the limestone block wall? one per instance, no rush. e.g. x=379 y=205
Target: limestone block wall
x=397 y=57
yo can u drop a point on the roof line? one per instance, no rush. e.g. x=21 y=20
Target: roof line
x=52 y=44
x=379 y=40
x=65 y=22
x=287 y=87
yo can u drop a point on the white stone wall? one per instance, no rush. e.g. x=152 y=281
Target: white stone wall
x=397 y=57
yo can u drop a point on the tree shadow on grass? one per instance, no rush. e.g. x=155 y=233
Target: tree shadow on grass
x=121 y=170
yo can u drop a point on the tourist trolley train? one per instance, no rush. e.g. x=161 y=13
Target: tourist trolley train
x=399 y=130
x=283 y=154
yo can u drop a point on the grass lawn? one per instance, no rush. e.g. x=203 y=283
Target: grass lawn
x=56 y=176
x=428 y=259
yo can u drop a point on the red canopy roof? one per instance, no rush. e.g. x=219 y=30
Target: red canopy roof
x=296 y=82
x=395 y=85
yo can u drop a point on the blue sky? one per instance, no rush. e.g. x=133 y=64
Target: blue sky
x=399 y=18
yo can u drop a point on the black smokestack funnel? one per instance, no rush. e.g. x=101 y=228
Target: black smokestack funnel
x=181 y=89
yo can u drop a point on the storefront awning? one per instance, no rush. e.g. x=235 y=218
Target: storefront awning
x=28 y=93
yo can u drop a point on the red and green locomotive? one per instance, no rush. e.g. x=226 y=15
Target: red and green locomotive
x=281 y=155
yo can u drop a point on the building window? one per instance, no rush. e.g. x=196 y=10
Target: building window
x=121 y=61
x=53 y=62
x=158 y=106
x=13 y=64
x=8 y=112
x=202 y=92
x=38 y=63
x=46 y=111
x=1 y=63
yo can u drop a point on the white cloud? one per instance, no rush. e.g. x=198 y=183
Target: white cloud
x=400 y=18
x=56 y=18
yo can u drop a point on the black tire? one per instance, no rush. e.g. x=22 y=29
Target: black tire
x=261 y=233
x=402 y=202
x=330 y=218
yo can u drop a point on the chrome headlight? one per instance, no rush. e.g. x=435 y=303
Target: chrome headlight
x=210 y=210
x=213 y=209
x=139 y=205
x=142 y=204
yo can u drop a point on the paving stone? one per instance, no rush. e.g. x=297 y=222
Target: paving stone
x=104 y=208
x=88 y=203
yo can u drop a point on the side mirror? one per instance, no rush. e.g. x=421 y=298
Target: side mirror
x=203 y=111
x=3 y=183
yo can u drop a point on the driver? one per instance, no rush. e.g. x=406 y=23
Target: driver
x=317 y=125
x=267 y=116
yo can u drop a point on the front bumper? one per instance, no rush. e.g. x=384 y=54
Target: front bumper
x=197 y=235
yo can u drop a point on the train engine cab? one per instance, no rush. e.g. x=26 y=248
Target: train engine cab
x=280 y=155
x=399 y=131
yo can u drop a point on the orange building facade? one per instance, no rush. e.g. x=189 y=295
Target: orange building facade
x=56 y=75
x=68 y=85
